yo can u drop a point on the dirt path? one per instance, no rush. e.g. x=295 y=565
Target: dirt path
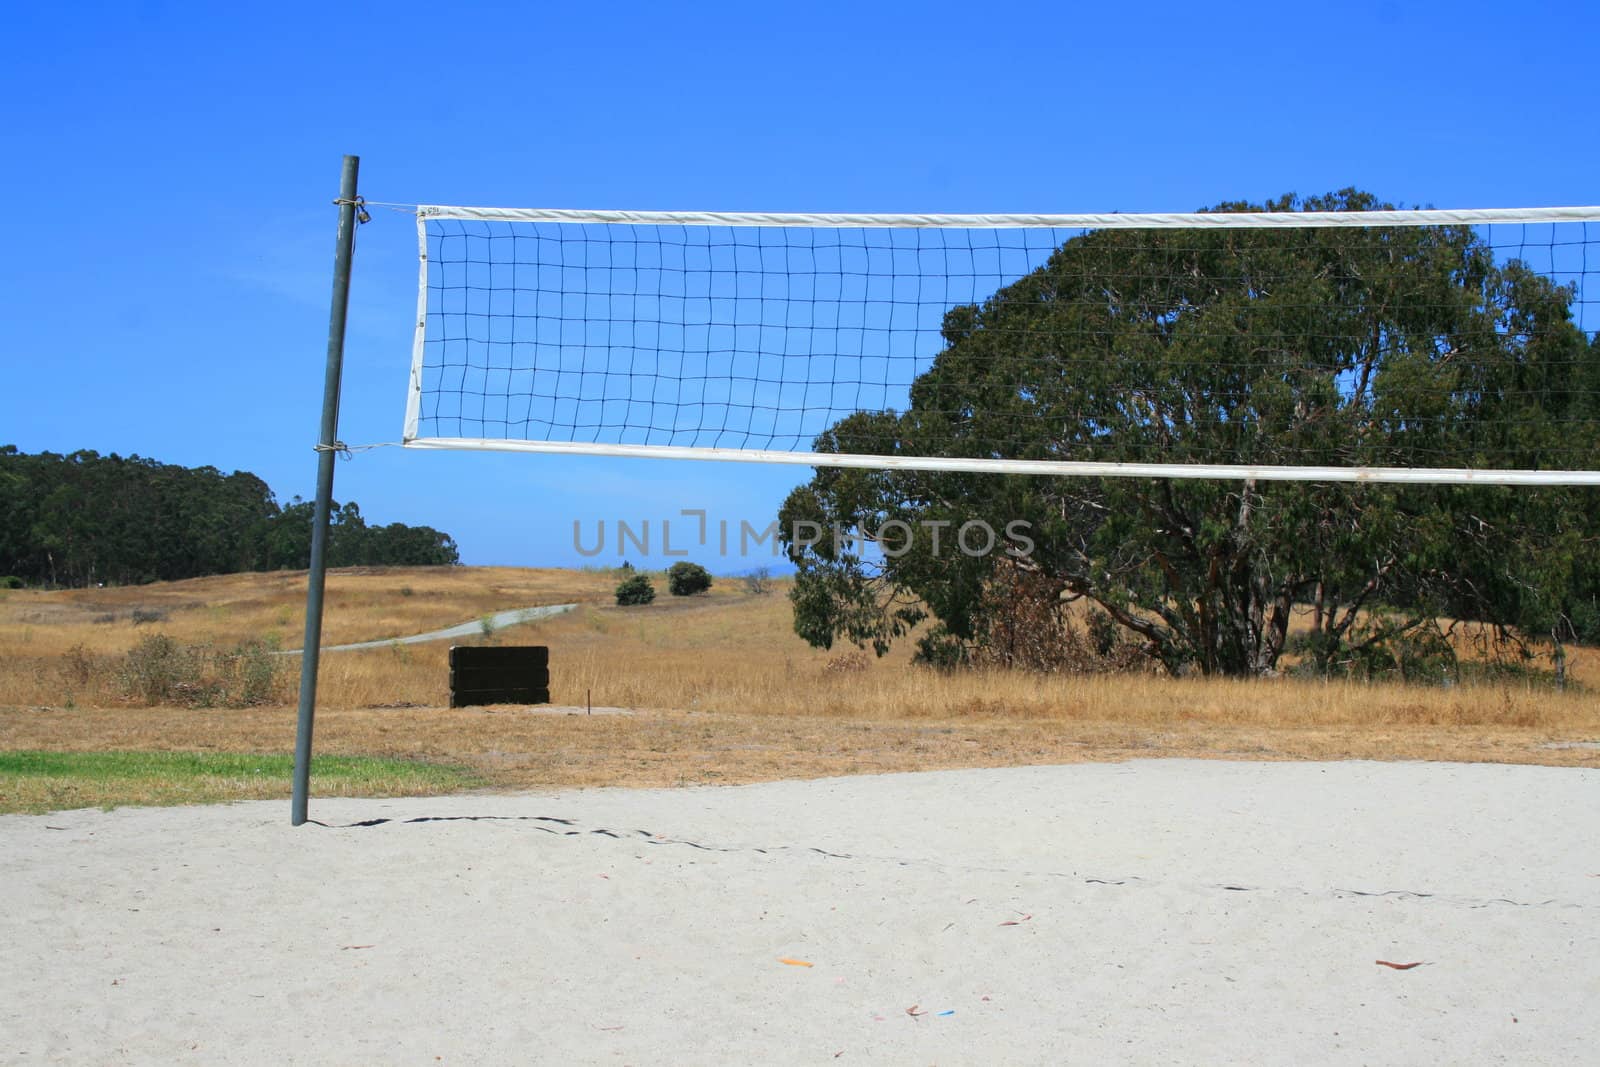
x=498 y=621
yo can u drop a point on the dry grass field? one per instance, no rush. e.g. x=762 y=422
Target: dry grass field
x=722 y=691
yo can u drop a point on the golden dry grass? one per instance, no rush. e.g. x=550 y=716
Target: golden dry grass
x=363 y=604
x=727 y=692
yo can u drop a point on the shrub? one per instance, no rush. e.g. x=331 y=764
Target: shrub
x=635 y=590
x=758 y=582
x=687 y=579
x=141 y=616
x=247 y=675
x=79 y=666
x=159 y=670
x=10 y=581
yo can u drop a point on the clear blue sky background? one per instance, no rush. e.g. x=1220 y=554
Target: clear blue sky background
x=168 y=239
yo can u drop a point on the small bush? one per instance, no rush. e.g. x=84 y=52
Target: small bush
x=10 y=581
x=109 y=616
x=79 y=665
x=687 y=579
x=247 y=675
x=635 y=590
x=140 y=616
x=159 y=670
x=758 y=582
x=406 y=590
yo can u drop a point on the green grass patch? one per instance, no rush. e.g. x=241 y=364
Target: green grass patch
x=52 y=781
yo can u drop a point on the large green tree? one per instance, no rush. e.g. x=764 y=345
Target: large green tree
x=1340 y=347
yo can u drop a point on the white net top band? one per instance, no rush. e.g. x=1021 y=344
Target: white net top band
x=1058 y=468
x=1179 y=220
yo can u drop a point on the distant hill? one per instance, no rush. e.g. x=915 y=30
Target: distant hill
x=84 y=518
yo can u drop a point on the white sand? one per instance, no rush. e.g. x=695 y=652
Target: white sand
x=648 y=927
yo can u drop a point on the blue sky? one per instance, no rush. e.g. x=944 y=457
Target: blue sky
x=170 y=167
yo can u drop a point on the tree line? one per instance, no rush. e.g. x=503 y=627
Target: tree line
x=83 y=518
x=1404 y=347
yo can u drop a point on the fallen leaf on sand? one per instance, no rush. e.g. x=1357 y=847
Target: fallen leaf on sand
x=1016 y=922
x=794 y=962
x=915 y=1010
x=346 y=948
x=1398 y=966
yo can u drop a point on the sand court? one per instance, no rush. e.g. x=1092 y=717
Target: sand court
x=1164 y=910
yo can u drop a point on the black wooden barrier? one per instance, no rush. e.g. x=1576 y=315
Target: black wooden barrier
x=499 y=675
